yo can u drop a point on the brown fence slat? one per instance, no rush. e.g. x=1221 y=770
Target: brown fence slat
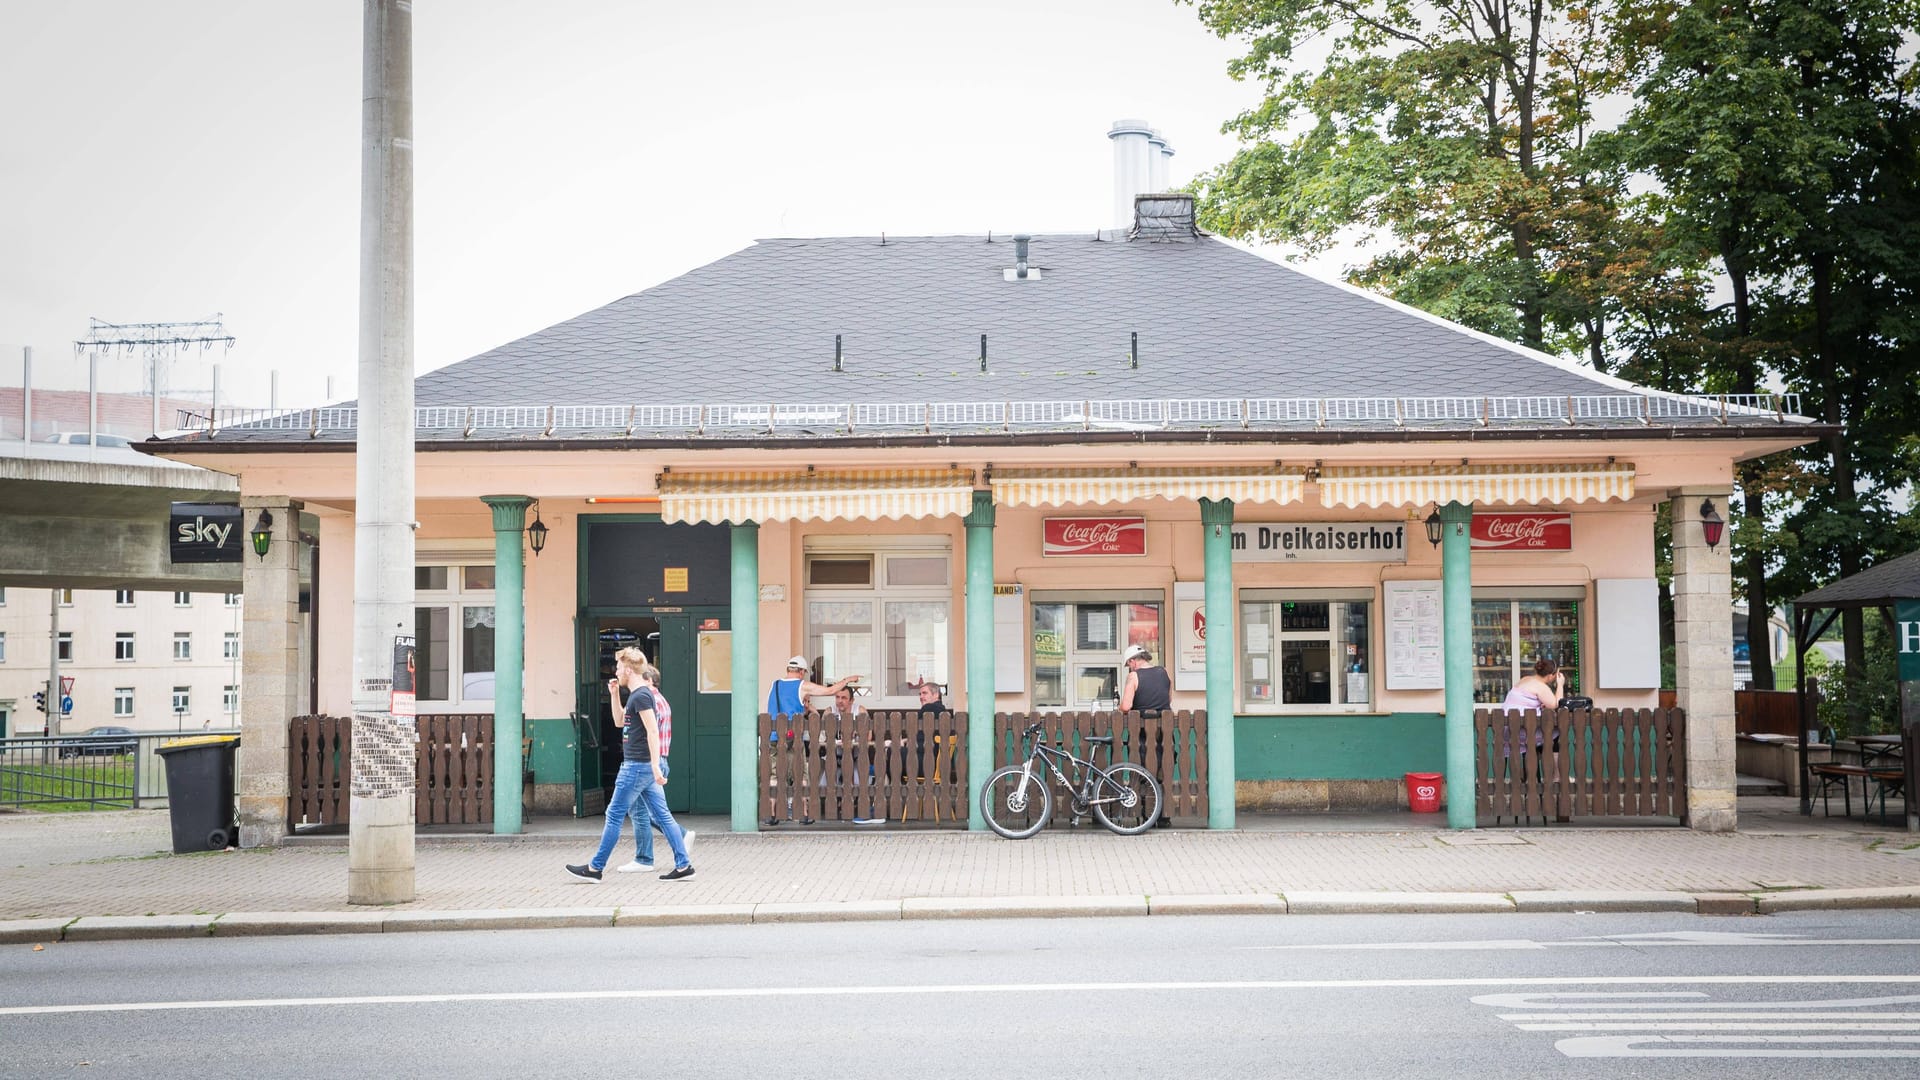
x=1611 y=762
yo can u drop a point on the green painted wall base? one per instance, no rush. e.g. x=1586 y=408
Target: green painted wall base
x=1339 y=747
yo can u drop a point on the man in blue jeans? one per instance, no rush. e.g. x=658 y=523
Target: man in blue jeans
x=640 y=773
x=643 y=820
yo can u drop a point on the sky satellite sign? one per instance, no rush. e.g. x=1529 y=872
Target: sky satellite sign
x=205 y=533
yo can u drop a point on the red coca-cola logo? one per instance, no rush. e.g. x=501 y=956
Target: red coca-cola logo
x=1522 y=532
x=1095 y=536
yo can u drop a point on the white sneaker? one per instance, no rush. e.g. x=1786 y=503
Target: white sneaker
x=686 y=841
x=635 y=867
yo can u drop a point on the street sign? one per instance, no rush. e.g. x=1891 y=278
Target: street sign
x=66 y=685
x=66 y=705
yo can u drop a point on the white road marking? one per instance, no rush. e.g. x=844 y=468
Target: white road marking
x=1773 y=1046
x=1793 y=1028
x=954 y=988
x=1676 y=939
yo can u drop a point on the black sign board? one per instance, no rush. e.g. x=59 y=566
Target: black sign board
x=205 y=533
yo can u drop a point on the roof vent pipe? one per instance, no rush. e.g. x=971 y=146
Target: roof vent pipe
x=1132 y=174
x=1157 y=154
x=1020 y=248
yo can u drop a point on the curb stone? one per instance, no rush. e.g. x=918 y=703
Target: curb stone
x=1395 y=903
x=1020 y=907
x=1724 y=904
x=1220 y=904
x=1833 y=899
x=134 y=927
x=501 y=919
x=829 y=911
x=280 y=923
x=1567 y=900
x=686 y=915
x=31 y=931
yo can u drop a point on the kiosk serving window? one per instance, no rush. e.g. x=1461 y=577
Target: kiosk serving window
x=1305 y=648
x=1510 y=632
x=1078 y=640
x=453 y=634
x=885 y=613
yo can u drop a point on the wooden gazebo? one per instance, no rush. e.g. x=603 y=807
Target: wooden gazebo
x=1893 y=587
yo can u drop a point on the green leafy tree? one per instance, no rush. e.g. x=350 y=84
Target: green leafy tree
x=1453 y=133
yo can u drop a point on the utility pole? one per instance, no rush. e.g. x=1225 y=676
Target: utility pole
x=380 y=837
x=53 y=663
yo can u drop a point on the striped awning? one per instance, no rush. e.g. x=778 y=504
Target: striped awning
x=814 y=495
x=1418 y=485
x=1061 y=487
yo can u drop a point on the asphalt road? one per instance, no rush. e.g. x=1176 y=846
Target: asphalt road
x=1293 y=996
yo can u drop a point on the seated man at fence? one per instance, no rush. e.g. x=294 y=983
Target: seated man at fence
x=788 y=696
x=931 y=706
x=848 y=750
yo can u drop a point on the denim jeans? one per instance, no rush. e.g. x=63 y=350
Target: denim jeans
x=643 y=823
x=653 y=803
x=626 y=790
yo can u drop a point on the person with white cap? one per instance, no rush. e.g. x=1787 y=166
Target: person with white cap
x=1149 y=690
x=788 y=697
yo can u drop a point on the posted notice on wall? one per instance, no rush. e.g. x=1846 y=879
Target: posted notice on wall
x=1189 y=635
x=1415 y=660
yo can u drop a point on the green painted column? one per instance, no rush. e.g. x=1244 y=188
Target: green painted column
x=1216 y=517
x=509 y=658
x=979 y=650
x=1456 y=642
x=745 y=611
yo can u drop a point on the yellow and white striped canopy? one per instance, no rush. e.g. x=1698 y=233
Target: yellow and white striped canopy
x=810 y=495
x=1418 y=485
x=1063 y=487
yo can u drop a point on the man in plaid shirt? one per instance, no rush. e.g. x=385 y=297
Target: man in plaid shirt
x=643 y=823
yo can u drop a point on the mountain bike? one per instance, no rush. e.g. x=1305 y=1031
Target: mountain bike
x=1017 y=800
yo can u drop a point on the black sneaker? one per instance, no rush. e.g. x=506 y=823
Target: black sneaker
x=584 y=873
x=675 y=874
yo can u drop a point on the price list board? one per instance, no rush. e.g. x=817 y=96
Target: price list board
x=1415 y=660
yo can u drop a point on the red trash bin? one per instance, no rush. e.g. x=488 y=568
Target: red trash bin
x=1423 y=792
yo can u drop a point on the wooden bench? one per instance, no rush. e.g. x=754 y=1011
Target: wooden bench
x=1883 y=781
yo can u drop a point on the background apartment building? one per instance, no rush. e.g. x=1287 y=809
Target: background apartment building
x=150 y=661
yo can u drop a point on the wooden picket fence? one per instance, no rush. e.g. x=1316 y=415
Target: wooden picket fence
x=453 y=770
x=1589 y=762
x=1172 y=745
x=877 y=766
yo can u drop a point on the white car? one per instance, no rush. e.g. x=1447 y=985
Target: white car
x=81 y=438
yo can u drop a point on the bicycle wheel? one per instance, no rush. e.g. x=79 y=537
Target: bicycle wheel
x=1016 y=805
x=1127 y=799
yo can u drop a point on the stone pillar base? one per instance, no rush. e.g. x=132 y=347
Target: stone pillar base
x=263 y=820
x=1712 y=819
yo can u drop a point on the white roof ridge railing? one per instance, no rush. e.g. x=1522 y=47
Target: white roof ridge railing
x=1116 y=414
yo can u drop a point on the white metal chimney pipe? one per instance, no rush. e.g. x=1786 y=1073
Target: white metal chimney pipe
x=1131 y=168
x=1166 y=167
x=1156 y=163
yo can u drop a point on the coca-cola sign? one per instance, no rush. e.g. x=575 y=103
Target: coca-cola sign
x=1522 y=532
x=1095 y=536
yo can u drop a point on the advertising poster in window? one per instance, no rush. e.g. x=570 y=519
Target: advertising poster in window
x=1189 y=635
x=1414 y=658
x=403 y=669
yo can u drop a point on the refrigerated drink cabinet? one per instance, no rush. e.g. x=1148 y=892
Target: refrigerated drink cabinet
x=1509 y=635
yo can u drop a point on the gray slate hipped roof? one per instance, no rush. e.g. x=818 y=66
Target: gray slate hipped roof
x=1214 y=321
x=1895 y=579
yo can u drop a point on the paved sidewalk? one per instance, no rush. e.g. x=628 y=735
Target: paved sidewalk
x=62 y=866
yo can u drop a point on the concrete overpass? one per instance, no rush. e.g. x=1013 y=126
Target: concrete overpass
x=82 y=517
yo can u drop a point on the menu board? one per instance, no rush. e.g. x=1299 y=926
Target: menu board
x=1415 y=659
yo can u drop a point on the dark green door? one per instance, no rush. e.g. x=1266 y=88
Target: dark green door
x=691 y=643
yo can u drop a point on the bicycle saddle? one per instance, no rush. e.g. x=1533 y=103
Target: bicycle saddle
x=1103 y=739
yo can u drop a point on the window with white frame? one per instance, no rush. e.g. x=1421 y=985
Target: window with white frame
x=123 y=598
x=182 y=699
x=3 y=647
x=123 y=645
x=884 y=611
x=1305 y=649
x=183 y=646
x=230 y=699
x=232 y=599
x=1079 y=639
x=230 y=646
x=66 y=597
x=3 y=596
x=453 y=633
x=63 y=647
x=123 y=701
x=183 y=599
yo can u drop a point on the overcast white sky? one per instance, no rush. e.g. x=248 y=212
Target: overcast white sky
x=165 y=161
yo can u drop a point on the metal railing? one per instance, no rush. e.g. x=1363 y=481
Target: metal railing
x=112 y=772
x=735 y=419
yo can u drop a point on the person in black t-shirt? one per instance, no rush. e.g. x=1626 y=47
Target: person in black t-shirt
x=1149 y=689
